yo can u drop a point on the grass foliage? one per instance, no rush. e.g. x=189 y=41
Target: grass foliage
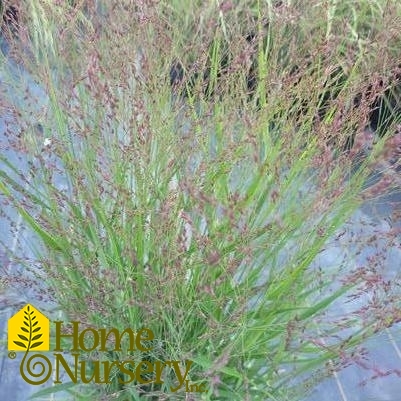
x=199 y=213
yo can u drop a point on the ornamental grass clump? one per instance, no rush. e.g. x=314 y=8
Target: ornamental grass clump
x=197 y=211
